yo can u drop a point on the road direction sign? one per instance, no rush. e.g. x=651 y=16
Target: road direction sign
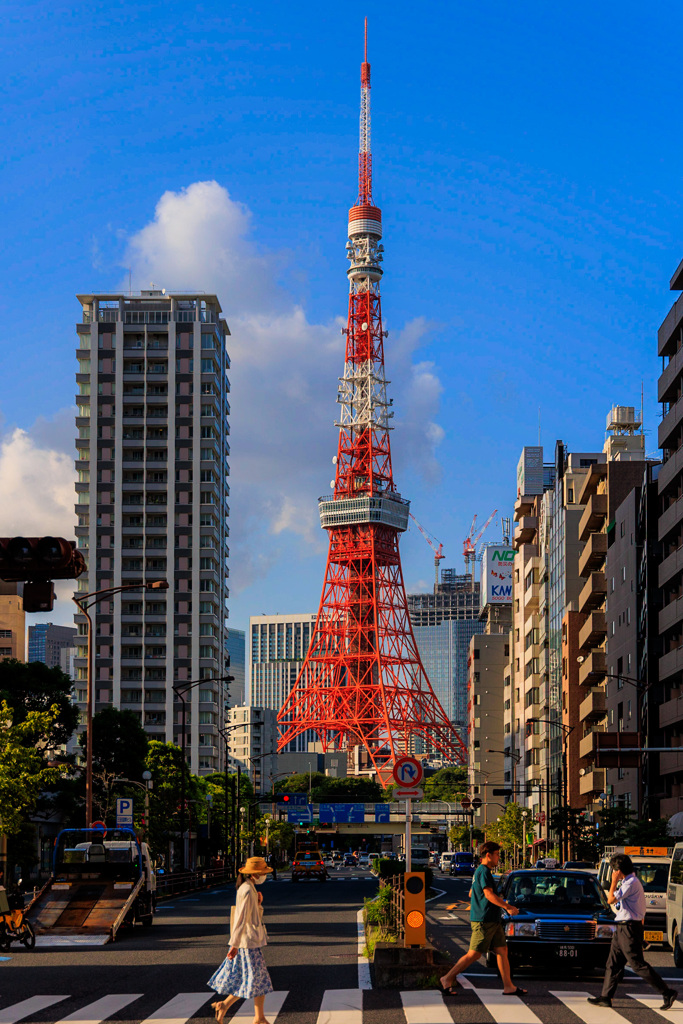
x=408 y=794
x=124 y=812
x=476 y=803
x=297 y=814
x=347 y=814
x=465 y=803
x=408 y=772
x=293 y=799
x=382 y=812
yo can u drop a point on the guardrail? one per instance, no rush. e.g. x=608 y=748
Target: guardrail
x=188 y=881
x=394 y=916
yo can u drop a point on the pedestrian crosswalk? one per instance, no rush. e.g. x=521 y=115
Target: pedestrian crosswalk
x=483 y=1003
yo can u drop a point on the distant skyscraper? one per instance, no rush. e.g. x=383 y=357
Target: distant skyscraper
x=235 y=645
x=152 y=503
x=277 y=647
x=46 y=641
x=444 y=622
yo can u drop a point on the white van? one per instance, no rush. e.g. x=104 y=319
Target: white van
x=674 y=905
x=419 y=858
x=651 y=864
x=445 y=862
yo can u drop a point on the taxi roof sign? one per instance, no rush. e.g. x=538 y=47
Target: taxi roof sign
x=647 y=851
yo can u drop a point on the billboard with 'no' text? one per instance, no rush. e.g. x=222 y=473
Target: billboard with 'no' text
x=496 y=574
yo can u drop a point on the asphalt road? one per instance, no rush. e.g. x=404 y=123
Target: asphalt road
x=158 y=976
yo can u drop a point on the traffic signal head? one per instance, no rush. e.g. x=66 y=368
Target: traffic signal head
x=39 y=558
x=414 y=909
x=285 y=799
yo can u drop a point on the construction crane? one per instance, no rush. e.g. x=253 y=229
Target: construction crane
x=430 y=538
x=469 y=547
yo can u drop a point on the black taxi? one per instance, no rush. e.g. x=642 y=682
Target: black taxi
x=563 y=920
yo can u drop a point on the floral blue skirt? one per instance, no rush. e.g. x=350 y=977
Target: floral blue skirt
x=246 y=976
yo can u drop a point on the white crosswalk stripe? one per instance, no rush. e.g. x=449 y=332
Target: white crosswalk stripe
x=341 y=1006
x=272 y=1006
x=653 y=1002
x=503 y=1009
x=179 y=1009
x=585 y=1011
x=425 y=1008
x=27 y=1007
x=101 y=1009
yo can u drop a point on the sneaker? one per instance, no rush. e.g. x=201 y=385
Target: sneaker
x=599 y=1001
x=669 y=998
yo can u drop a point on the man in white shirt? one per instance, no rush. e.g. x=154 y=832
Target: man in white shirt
x=626 y=894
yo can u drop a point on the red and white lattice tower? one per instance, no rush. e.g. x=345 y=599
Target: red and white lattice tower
x=363 y=683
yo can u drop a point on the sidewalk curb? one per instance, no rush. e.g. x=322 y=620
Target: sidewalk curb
x=364 y=978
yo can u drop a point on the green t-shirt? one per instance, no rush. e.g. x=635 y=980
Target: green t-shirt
x=480 y=908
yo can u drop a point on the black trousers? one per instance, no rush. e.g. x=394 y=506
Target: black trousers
x=627 y=950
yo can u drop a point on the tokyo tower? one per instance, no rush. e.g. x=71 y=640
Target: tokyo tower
x=363 y=683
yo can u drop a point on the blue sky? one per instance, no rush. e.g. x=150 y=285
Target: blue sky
x=527 y=161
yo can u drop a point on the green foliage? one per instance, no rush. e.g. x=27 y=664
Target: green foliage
x=377 y=908
x=352 y=789
x=459 y=836
x=119 y=744
x=447 y=784
x=508 y=828
x=620 y=826
x=32 y=686
x=22 y=767
x=387 y=866
x=583 y=841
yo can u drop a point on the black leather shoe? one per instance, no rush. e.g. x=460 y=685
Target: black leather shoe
x=669 y=999
x=599 y=1001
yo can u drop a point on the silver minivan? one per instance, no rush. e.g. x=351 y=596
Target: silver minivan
x=445 y=863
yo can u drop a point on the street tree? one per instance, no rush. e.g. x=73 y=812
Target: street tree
x=32 y=686
x=448 y=784
x=459 y=836
x=119 y=744
x=579 y=832
x=508 y=829
x=23 y=771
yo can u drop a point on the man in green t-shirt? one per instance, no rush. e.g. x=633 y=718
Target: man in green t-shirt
x=486 y=907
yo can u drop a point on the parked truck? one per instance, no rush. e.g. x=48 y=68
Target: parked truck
x=101 y=879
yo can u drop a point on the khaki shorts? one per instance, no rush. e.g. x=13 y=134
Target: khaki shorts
x=487 y=935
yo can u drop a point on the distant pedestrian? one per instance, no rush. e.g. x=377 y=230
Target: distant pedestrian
x=272 y=861
x=487 y=930
x=627 y=895
x=243 y=974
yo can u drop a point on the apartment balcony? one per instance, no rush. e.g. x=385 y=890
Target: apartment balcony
x=593 y=593
x=670 y=469
x=671 y=805
x=594 y=554
x=592 y=782
x=671 y=663
x=671 y=712
x=525 y=531
x=668 y=428
x=592 y=709
x=596 y=473
x=670 y=519
x=593 y=669
x=669 y=377
x=671 y=614
x=672 y=762
x=593 y=516
x=670 y=566
x=588 y=745
x=523 y=506
x=593 y=631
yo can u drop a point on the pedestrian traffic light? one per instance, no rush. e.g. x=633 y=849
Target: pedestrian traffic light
x=414 y=909
x=36 y=561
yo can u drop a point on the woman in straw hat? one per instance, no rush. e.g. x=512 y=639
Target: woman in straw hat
x=243 y=974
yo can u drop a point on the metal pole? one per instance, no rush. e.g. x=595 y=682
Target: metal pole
x=88 y=724
x=565 y=829
x=409 y=841
x=238 y=827
x=233 y=837
x=147 y=812
x=183 y=858
x=226 y=844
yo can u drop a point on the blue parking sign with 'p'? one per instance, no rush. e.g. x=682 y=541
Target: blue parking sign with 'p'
x=124 y=812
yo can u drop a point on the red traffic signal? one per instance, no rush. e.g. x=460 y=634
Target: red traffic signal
x=285 y=799
x=39 y=558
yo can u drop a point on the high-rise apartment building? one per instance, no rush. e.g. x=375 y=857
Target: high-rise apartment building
x=46 y=641
x=670 y=534
x=12 y=621
x=152 y=503
x=252 y=741
x=444 y=622
x=278 y=645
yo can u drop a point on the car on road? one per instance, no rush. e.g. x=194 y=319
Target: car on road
x=579 y=865
x=564 y=919
x=308 y=864
x=445 y=861
x=463 y=864
x=350 y=860
x=419 y=858
x=364 y=860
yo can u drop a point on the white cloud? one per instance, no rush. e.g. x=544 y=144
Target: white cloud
x=284 y=371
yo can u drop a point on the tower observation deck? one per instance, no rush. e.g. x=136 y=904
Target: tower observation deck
x=363 y=683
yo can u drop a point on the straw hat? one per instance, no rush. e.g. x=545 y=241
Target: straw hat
x=255 y=866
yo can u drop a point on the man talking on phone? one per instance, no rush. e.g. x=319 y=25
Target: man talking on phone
x=627 y=896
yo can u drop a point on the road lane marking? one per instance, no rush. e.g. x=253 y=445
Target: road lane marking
x=589 y=1014
x=26 y=1008
x=675 y=1014
x=272 y=1006
x=179 y=1009
x=364 y=980
x=101 y=1009
x=341 y=1006
x=503 y=1009
x=425 y=1008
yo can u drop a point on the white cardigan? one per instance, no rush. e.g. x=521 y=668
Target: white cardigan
x=248 y=930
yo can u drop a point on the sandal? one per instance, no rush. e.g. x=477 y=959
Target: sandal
x=450 y=990
x=517 y=992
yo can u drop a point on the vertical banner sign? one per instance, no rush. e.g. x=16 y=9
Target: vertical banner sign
x=496 y=574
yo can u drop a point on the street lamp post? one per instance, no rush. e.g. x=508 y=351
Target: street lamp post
x=184 y=686
x=84 y=602
x=566 y=732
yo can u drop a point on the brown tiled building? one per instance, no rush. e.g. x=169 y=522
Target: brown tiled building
x=12 y=622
